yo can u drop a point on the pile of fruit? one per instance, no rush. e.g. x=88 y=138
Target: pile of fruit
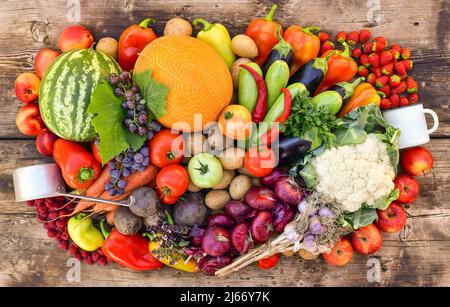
x=234 y=150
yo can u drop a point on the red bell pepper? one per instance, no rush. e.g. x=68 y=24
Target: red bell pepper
x=341 y=68
x=264 y=33
x=78 y=166
x=269 y=136
x=129 y=251
x=132 y=41
x=306 y=45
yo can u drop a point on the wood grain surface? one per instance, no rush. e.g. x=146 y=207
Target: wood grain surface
x=419 y=256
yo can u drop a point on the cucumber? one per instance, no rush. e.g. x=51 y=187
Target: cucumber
x=247 y=89
x=277 y=77
x=331 y=101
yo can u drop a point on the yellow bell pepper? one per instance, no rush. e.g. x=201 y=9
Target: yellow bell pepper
x=363 y=95
x=180 y=263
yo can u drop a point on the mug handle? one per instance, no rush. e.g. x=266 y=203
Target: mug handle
x=435 y=120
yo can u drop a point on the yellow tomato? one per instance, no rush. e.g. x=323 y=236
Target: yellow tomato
x=235 y=122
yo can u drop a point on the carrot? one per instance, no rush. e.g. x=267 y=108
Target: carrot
x=110 y=217
x=98 y=186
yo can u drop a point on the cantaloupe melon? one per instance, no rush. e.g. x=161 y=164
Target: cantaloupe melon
x=198 y=80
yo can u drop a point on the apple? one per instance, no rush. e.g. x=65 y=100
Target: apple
x=29 y=120
x=341 y=253
x=27 y=87
x=75 y=37
x=408 y=188
x=393 y=219
x=367 y=240
x=43 y=59
x=45 y=141
x=416 y=160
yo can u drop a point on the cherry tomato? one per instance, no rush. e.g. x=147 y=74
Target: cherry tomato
x=96 y=152
x=166 y=148
x=259 y=162
x=171 y=182
x=269 y=262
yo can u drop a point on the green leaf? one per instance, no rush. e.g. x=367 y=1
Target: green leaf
x=363 y=217
x=383 y=203
x=350 y=136
x=108 y=123
x=153 y=92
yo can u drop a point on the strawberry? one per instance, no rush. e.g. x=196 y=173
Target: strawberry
x=356 y=53
x=388 y=69
x=405 y=53
x=394 y=80
x=379 y=45
x=377 y=71
x=413 y=98
x=395 y=53
x=328 y=45
x=364 y=35
x=400 y=69
x=363 y=71
x=368 y=47
x=396 y=47
x=364 y=60
x=323 y=37
x=386 y=90
x=411 y=85
x=385 y=104
x=386 y=57
x=353 y=38
x=408 y=64
x=381 y=40
x=381 y=81
x=399 y=88
x=341 y=37
x=374 y=60
x=395 y=100
x=371 y=79
x=404 y=102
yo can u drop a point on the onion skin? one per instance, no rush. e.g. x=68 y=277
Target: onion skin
x=270 y=179
x=261 y=198
x=288 y=190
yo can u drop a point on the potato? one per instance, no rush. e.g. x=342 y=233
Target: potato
x=243 y=46
x=224 y=183
x=232 y=158
x=126 y=222
x=235 y=70
x=195 y=143
x=108 y=45
x=216 y=141
x=193 y=188
x=217 y=199
x=239 y=186
x=178 y=26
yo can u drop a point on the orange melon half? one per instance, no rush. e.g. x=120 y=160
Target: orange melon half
x=198 y=80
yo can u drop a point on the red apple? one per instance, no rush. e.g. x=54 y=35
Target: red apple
x=408 y=188
x=27 y=87
x=45 y=141
x=43 y=59
x=29 y=120
x=75 y=37
x=367 y=240
x=393 y=219
x=341 y=253
x=416 y=160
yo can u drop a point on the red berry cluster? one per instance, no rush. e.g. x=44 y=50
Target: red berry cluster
x=53 y=213
x=385 y=67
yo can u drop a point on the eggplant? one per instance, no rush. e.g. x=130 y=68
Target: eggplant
x=346 y=89
x=290 y=149
x=311 y=74
x=281 y=51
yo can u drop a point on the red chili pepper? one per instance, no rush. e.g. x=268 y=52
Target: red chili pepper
x=261 y=105
x=132 y=41
x=273 y=132
x=264 y=33
x=78 y=166
x=129 y=251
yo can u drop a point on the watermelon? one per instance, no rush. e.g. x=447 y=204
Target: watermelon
x=66 y=90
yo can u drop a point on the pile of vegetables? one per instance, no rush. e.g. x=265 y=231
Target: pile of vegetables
x=301 y=161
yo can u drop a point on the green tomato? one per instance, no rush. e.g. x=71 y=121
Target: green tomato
x=205 y=170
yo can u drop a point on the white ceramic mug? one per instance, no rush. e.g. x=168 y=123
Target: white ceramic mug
x=412 y=124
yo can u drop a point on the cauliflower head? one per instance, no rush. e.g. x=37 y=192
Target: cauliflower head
x=351 y=175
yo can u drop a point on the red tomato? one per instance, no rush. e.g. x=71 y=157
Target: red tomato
x=96 y=152
x=259 y=162
x=171 y=182
x=269 y=262
x=166 y=148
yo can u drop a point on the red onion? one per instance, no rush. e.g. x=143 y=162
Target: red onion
x=261 y=227
x=269 y=180
x=240 y=237
x=238 y=210
x=260 y=198
x=282 y=215
x=216 y=241
x=288 y=190
x=220 y=219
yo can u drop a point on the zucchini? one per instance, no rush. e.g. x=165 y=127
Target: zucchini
x=276 y=78
x=247 y=89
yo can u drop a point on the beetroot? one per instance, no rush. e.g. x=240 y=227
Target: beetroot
x=196 y=233
x=269 y=180
x=240 y=238
x=238 y=210
x=282 y=215
x=260 y=198
x=288 y=190
x=261 y=227
x=220 y=219
x=216 y=241
x=211 y=264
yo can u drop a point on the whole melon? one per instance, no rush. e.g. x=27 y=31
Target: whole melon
x=66 y=90
x=198 y=79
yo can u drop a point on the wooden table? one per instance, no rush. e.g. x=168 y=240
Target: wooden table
x=419 y=256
